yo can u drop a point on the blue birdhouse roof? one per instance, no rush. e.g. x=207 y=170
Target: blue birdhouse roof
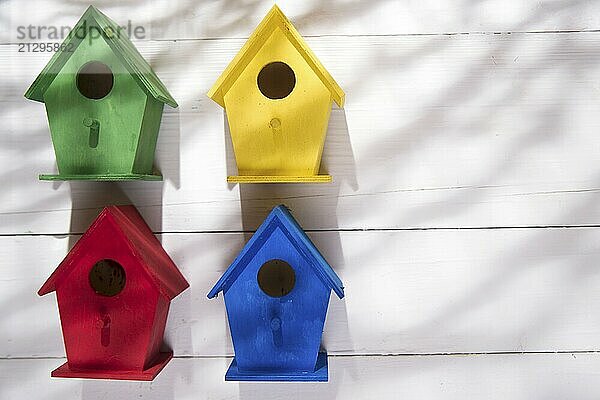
x=281 y=217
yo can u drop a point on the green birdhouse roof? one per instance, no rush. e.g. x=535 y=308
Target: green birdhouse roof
x=120 y=44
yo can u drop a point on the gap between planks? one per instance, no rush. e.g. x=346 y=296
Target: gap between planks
x=228 y=232
x=366 y=355
x=480 y=33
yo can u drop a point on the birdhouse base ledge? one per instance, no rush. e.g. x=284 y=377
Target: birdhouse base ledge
x=147 y=375
x=319 y=375
x=279 y=179
x=102 y=177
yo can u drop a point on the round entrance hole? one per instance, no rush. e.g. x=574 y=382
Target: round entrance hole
x=276 y=278
x=276 y=80
x=95 y=80
x=107 y=278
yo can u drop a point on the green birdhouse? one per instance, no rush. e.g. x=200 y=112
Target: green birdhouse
x=104 y=104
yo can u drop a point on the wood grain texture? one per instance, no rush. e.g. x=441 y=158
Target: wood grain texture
x=455 y=125
x=406 y=292
x=189 y=19
x=443 y=131
x=515 y=377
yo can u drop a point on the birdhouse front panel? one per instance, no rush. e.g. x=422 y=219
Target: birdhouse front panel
x=104 y=104
x=108 y=309
x=114 y=290
x=276 y=309
x=277 y=97
x=276 y=293
x=96 y=112
x=278 y=111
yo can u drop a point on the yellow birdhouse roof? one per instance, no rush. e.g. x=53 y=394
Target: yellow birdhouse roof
x=275 y=19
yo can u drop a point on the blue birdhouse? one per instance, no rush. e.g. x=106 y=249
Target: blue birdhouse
x=276 y=294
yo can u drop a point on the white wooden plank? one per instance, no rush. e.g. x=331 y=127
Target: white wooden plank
x=516 y=377
x=406 y=292
x=470 y=130
x=189 y=19
x=441 y=131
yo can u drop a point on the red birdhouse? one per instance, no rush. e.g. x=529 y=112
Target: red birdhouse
x=114 y=289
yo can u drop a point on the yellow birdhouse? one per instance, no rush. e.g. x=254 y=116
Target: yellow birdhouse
x=277 y=97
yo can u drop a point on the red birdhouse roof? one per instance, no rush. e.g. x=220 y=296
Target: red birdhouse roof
x=128 y=225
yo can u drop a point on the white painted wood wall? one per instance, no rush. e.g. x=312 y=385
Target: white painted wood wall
x=464 y=219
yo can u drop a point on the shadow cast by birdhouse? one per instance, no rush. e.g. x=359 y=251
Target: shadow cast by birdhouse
x=89 y=198
x=294 y=390
x=313 y=204
x=168 y=148
x=162 y=388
